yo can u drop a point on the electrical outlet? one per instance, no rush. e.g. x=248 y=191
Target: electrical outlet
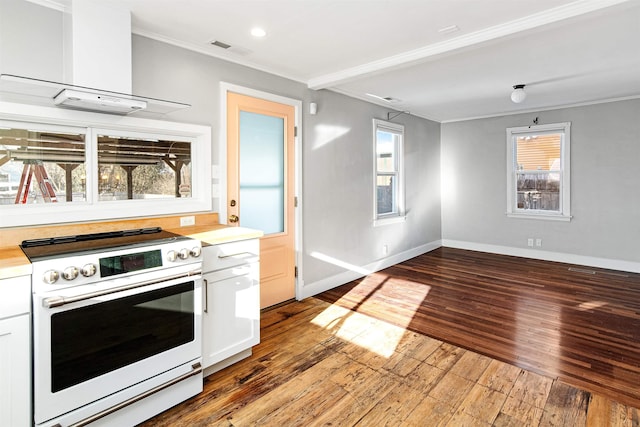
x=538 y=242
x=530 y=242
x=187 y=220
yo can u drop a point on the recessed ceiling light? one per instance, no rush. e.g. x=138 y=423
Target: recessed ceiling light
x=258 y=32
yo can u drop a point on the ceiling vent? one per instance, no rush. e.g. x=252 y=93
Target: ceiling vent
x=229 y=48
x=220 y=44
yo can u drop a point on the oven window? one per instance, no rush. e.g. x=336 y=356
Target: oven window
x=91 y=341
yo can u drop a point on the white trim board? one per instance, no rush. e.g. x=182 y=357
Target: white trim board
x=314 y=288
x=608 y=263
x=349 y=276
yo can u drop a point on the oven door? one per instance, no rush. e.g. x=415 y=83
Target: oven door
x=103 y=341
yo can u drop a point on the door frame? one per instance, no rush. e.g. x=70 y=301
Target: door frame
x=220 y=175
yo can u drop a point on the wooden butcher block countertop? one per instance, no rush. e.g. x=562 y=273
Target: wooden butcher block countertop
x=216 y=234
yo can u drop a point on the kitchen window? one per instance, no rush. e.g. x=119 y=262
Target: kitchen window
x=118 y=167
x=388 y=139
x=42 y=164
x=538 y=172
x=131 y=167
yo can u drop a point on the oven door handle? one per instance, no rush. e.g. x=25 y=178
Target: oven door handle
x=58 y=301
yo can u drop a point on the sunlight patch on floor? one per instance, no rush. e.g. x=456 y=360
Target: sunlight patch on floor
x=374 y=335
x=365 y=331
x=590 y=305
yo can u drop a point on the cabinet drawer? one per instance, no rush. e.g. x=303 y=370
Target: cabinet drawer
x=226 y=255
x=15 y=296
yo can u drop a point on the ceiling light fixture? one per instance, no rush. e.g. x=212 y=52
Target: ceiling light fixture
x=518 y=95
x=258 y=32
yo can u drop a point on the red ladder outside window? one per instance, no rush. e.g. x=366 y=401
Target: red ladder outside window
x=44 y=183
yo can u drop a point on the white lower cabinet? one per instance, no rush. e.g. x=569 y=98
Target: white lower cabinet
x=15 y=352
x=231 y=318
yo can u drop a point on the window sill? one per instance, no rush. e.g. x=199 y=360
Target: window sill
x=544 y=217
x=378 y=222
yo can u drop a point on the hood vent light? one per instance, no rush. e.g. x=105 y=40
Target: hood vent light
x=100 y=102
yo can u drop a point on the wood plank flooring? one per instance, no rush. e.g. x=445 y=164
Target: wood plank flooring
x=451 y=338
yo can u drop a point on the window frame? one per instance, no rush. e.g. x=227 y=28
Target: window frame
x=92 y=124
x=399 y=215
x=564 y=212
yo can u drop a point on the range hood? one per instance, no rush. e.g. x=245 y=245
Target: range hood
x=96 y=63
x=47 y=93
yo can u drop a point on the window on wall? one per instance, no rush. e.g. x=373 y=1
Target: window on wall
x=538 y=171
x=42 y=164
x=142 y=168
x=55 y=173
x=389 y=177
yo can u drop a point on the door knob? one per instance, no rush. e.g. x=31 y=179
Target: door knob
x=234 y=218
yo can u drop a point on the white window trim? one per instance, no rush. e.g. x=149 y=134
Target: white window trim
x=564 y=213
x=201 y=200
x=400 y=216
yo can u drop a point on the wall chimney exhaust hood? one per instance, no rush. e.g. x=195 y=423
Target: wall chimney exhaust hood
x=96 y=62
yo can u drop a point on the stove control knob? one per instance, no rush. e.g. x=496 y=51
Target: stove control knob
x=70 y=273
x=172 y=256
x=183 y=253
x=50 y=276
x=196 y=251
x=88 y=270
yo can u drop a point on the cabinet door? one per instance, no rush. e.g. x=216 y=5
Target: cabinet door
x=231 y=322
x=15 y=372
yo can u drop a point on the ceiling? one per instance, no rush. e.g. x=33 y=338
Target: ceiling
x=444 y=60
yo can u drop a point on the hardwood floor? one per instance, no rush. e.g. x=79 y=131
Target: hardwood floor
x=453 y=338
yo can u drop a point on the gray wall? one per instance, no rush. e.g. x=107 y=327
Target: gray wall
x=338 y=185
x=605 y=202
x=31 y=40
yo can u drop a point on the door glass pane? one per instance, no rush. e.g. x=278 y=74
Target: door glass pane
x=262 y=172
x=41 y=166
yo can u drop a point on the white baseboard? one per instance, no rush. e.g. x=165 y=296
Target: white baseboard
x=608 y=263
x=314 y=288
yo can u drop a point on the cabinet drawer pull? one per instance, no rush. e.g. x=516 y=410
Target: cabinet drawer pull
x=235 y=255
